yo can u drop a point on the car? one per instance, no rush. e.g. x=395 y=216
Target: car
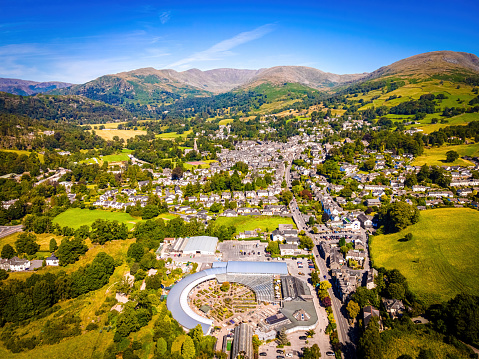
x=330 y=354
x=259 y=253
x=303 y=348
x=417 y=321
x=263 y=354
x=280 y=351
x=289 y=355
x=279 y=357
x=303 y=337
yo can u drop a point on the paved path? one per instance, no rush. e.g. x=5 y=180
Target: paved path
x=7 y=230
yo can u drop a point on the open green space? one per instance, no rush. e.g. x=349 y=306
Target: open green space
x=409 y=342
x=457 y=97
x=108 y=134
x=76 y=217
x=115 y=158
x=173 y=135
x=427 y=127
x=441 y=259
x=225 y=121
x=436 y=156
x=206 y=164
x=23 y=152
x=249 y=223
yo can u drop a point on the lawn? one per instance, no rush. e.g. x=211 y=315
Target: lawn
x=125 y=134
x=441 y=259
x=225 y=121
x=115 y=158
x=248 y=223
x=76 y=217
x=436 y=156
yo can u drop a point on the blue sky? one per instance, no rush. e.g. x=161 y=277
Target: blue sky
x=79 y=41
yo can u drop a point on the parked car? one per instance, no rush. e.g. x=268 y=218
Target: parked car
x=263 y=354
x=279 y=351
x=330 y=354
x=303 y=337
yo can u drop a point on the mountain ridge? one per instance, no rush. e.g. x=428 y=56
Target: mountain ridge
x=27 y=88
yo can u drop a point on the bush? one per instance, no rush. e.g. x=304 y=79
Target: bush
x=91 y=326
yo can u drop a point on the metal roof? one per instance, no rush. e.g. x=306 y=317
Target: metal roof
x=257 y=267
x=201 y=244
x=177 y=301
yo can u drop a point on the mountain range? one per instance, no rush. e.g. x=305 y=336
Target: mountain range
x=149 y=85
x=26 y=88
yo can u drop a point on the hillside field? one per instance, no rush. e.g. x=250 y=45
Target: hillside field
x=441 y=259
x=76 y=217
x=248 y=223
x=436 y=156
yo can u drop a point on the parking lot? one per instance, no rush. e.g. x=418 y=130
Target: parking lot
x=243 y=251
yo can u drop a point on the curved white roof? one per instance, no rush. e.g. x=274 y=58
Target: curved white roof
x=177 y=301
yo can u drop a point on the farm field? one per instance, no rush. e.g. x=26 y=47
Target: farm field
x=76 y=217
x=108 y=134
x=441 y=259
x=436 y=156
x=248 y=223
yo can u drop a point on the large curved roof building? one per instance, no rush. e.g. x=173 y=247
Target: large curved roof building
x=256 y=275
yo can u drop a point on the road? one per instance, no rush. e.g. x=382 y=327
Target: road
x=348 y=347
x=7 y=230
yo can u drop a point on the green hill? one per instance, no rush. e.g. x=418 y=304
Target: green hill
x=441 y=259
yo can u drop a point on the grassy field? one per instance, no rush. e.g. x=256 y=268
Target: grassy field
x=456 y=97
x=125 y=134
x=462 y=119
x=76 y=217
x=437 y=155
x=22 y=152
x=42 y=239
x=399 y=343
x=206 y=164
x=115 y=158
x=248 y=223
x=225 y=121
x=441 y=259
x=173 y=135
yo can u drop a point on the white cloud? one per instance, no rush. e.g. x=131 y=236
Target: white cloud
x=222 y=49
x=165 y=17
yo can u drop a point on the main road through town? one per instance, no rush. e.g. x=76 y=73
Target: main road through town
x=348 y=347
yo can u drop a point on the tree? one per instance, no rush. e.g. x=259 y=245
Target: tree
x=3 y=274
x=135 y=251
x=177 y=173
x=273 y=248
x=370 y=345
x=353 y=309
x=408 y=236
x=312 y=352
x=306 y=242
x=396 y=291
x=161 y=346
x=8 y=252
x=225 y=286
x=53 y=245
x=282 y=337
x=188 y=348
x=216 y=207
x=451 y=156
x=150 y=211
x=27 y=243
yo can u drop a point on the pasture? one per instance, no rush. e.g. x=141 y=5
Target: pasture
x=436 y=156
x=441 y=259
